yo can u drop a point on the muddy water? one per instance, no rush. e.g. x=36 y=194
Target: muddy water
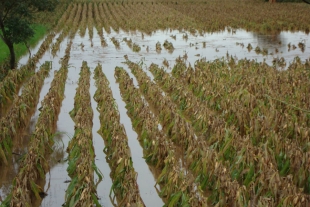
x=217 y=45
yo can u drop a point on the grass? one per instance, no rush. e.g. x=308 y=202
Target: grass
x=21 y=49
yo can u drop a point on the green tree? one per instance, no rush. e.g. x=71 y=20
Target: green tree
x=16 y=17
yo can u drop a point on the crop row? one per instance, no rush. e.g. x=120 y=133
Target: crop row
x=145 y=17
x=84 y=21
x=204 y=162
x=124 y=177
x=27 y=184
x=255 y=159
x=177 y=185
x=99 y=24
x=12 y=82
x=90 y=21
x=70 y=27
x=19 y=114
x=246 y=103
x=81 y=160
x=231 y=148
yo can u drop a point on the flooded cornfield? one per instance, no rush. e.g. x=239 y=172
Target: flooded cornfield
x=113 y=109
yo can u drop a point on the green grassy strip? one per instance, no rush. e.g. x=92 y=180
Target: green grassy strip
x=20 y=49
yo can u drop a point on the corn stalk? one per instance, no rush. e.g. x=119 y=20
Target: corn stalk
x=124 y=177
x=82 y=189
x=19 y=115
x=27 y=184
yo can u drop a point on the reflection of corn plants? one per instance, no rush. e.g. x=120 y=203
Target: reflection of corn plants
x=20 y=112
x=81 y=167
x=27 y=184
x=124 y=177
x=177 y=185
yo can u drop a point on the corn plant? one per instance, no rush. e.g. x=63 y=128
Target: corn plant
x=27 y=185
x=81 y=161
x=124 y=187
x=83 y=20
x=20 y=112
x=99 y=26
x=178 y=187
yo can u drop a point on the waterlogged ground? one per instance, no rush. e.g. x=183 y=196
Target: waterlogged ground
x=210 y=46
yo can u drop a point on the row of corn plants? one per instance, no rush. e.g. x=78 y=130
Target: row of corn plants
x=124 y=187
x=118 y=17
x=203 y=161
x=104 y=18
x=69 y=14
x=12 y=82
x=119 y=9
x=145 y=17
x=20 y=112
x=83 y=23
x=178 y=186
x=194 y=110
x=133 y=46
x=150 y=16
x=277 y=17
x=90 y=21
x=27 y=185
x=99 y=25
x=62 y=21
x=110 y=19
x=76 y=21
x=231 y=142
x=81 y=160
x=252 y=109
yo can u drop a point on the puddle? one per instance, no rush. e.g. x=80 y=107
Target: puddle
x=217 y=45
